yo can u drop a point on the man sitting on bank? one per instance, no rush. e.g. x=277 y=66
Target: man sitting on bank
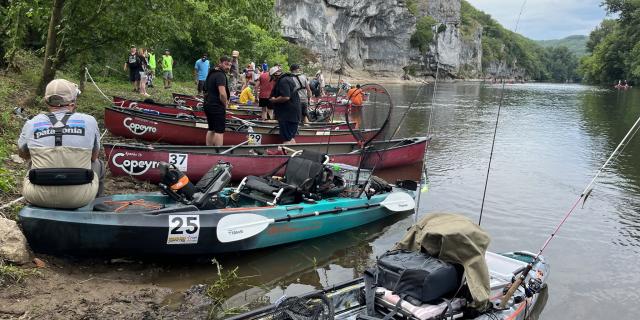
x=62 y=146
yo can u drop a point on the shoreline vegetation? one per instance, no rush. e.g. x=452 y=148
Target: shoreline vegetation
x=104 y=288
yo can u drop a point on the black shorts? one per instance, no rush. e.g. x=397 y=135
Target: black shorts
x=200 y=86
x=264 y=102
x=288 y=129
x=134 y=75
x=215 y=118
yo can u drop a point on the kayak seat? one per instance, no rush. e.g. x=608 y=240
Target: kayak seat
x=301 y=177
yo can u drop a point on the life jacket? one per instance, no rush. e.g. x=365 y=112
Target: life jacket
x=43 y=185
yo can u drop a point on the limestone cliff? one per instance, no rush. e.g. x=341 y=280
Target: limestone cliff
x=374 y=36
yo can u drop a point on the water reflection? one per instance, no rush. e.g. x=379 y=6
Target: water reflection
x=551 y=140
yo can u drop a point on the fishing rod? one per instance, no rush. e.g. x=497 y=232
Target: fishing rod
x=582 y=197
x=423 y=176
x=335 y=103
x=495 y=130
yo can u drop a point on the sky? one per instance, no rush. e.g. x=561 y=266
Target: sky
x=545 y=19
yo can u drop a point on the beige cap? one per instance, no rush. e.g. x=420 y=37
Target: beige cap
x=235 y=53
x=61 y=92
x=274 y=70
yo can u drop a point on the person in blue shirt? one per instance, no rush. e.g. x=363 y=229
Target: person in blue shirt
x=201 y=70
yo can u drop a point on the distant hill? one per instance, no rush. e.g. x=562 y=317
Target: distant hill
x=576 y=44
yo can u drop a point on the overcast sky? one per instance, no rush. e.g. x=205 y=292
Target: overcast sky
x=545 y=19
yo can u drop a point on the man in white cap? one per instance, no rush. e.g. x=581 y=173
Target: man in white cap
x=62 y=146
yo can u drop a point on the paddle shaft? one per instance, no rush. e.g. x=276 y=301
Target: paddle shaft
x=234 y=147
x=318 y=213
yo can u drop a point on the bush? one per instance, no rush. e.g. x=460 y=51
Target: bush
x=423 y=37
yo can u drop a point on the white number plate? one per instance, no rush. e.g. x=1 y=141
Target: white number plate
x=180 y=160
x=254 y=138
x=183 y=229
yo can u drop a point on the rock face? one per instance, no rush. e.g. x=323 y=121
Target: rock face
x=13 y=244
x=374 y=36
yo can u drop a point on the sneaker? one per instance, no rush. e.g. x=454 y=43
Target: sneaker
x=146 y=94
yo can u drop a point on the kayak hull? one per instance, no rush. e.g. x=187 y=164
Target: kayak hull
x=165 y=231
x=245 y=114
x=346 y=298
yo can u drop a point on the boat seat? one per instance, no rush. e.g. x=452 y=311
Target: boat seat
x=301 y=177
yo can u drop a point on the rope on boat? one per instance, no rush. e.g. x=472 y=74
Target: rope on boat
x=495 y=130
x=86 y=71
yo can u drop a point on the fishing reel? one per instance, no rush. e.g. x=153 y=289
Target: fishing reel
x=175 y=183
x=204 y=195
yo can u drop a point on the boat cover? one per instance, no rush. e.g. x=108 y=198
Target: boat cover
x=454 y=238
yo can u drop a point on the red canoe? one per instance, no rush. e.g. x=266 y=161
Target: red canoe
x=186 y=112
x=130 y=124
x=240 y=112
x=141 y=161
x=187 y=100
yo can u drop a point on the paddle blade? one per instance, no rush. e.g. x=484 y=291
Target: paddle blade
x=240 y=226
x=398 y=201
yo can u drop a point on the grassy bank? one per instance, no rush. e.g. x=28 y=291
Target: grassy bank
x=17 y=89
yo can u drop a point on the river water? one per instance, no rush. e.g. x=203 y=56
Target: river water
x=551 y=140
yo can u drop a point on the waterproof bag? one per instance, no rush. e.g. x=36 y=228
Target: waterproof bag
x=416 y=275
x=60 y=176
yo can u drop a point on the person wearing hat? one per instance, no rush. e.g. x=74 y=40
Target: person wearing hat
x=216 y=101
x=265 y=86
x=286 y=105
x=167 y=68
x=303 y=90
x=61 y=140
x=201 y=70
x=235 y=70
x=134 y=65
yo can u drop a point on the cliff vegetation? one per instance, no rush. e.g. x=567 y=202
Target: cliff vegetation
x=506 y=53
x=614 y=46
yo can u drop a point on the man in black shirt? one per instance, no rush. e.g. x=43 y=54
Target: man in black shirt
x=134 y=65
x=216 y=100
x=286 y=105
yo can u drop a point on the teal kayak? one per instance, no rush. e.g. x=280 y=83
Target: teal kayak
x=156 y=224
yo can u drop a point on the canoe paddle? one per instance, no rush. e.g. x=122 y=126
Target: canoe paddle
x=240 y=226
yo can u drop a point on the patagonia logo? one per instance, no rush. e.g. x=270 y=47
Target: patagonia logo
x=66 y=131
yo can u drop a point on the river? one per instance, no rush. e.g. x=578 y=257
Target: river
x=551 y=140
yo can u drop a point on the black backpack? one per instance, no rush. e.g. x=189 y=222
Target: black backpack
x=414 y=276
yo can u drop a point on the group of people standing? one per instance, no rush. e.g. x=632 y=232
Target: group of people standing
x=141 y=64
x=282 y=96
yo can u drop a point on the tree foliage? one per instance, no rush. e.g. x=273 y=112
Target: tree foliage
x=423 y=36
x=504 y=47
x=100 y=32
x=614 y=46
